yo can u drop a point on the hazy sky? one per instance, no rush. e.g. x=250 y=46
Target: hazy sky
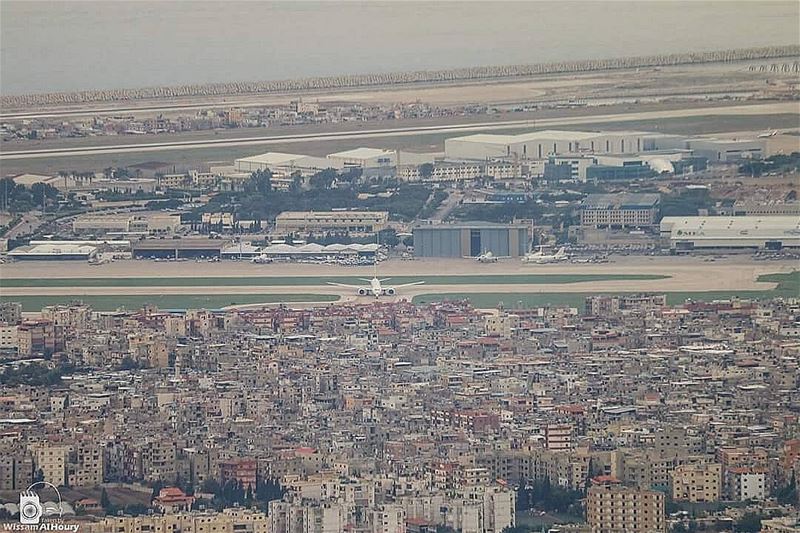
x=53 y=46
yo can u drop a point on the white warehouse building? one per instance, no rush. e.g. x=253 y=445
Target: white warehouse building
x=542 y=144
x=768 y=232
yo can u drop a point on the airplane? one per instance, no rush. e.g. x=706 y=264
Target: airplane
x=261 y=260
x=486 y=257
x=768 y=133
x=375 y=287
x=539 y=258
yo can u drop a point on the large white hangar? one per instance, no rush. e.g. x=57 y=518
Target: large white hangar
x=542 y=144
x=768 y=232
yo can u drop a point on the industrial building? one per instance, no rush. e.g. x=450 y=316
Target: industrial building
x=471 y=239
x=179 y=248
x=54 y=251
x=364 y=158
x=334 y=222
x=283 y=165
x=624 y=210
x=727 y=150
x=721 y=232
x=542 y=144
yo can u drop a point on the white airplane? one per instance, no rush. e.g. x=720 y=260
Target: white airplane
x=486 y=257
x=540 y=258
x=768 y=133
x=375 y=287
x=261 y=260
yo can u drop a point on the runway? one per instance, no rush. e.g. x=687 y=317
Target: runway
x=684 y=275
x=737 y=110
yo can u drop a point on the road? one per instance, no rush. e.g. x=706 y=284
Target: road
x=737 y=110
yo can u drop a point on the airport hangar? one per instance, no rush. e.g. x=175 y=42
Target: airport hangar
x=471 y=239
x=541 y=144
x=722 y=232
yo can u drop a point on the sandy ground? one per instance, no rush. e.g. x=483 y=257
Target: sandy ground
x=700 y=80
x=686 y=274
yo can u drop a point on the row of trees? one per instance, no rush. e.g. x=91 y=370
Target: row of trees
x=325 y=191
x=18 y=198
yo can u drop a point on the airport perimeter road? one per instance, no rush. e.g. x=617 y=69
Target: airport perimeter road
x=738 y=110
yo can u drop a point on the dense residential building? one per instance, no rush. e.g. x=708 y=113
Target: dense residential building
x=611 y=508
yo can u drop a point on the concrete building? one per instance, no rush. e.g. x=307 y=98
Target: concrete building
x=727 y=150
x=768 y=232
x=50 y=252
x=148 y=224
x=364 y=158
x=746 y=483
x=471 y=239
x=612 y=508
x=543 y=144
x=284 y=165
x=697 y=483
x=759 y=209
x=179 y=248
x=623 y=210
x=558 y=437
x=10 y=312
x=51 y=460
x=8 y=337
x=335 y=222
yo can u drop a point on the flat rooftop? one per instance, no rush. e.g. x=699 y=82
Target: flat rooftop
x=621 y=201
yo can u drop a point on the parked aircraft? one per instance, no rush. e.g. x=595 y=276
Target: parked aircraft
x=539 y=257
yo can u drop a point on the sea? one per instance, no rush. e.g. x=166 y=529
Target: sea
x=73 y=45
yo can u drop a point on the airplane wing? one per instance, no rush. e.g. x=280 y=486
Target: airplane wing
x=346 y=286
x=408 y=284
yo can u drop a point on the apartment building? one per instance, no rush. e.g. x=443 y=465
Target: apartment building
x=51 y=461
x=613 y=508
x=85 y=464
x=697 y=483
x=558 y=437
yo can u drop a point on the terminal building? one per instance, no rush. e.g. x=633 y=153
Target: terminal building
x=721 y=232
x=471 y=239
x=356 y=223
x=624 y=210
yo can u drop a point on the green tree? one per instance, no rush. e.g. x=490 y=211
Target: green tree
x=788 y=493
x=749 y=523
x=426 y=170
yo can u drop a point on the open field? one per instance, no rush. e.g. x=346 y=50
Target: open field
x=181 y=284
x=788 y=287
x=528 y=279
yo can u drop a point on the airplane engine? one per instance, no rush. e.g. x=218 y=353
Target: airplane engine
x=390 y=292
x=362 y=292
